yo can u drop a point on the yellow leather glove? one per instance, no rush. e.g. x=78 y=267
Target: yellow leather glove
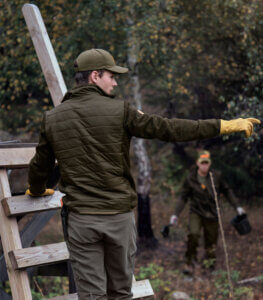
x=238 y=125
x=48 y=192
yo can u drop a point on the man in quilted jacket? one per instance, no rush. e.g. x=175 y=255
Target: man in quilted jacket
x=89 y=135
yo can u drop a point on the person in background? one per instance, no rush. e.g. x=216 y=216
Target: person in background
x=197 y=188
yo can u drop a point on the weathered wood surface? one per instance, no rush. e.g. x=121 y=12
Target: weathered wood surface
x=139 y=288
x=65 y=297
x=19 y=205
x=16 y=157
x=37 y=256
x=10 y=237
x=16 y=144
x=45 y=52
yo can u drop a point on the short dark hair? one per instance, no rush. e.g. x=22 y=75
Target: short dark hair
x=82 y=77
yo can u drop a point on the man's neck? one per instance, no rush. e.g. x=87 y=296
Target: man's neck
x=202 y=174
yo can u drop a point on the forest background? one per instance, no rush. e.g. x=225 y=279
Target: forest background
x=195 y=59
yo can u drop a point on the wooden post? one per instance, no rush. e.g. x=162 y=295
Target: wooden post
x=45 y=52
x=19 y=281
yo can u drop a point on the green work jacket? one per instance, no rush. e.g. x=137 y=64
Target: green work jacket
x=89 y=135
x=202 y=197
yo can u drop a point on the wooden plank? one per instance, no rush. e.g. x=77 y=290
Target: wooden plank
x=140 y=289
x=16 y=157
x=19 y=281
x=17 y=144
x=45 y=52
x=65 y=297
x=19 y=205
x=38 y=256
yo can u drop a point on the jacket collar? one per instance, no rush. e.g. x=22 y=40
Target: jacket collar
x=193 y=178
x=84 y=90
x=194 y=174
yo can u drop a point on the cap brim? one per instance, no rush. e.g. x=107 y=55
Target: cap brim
x=204 y=160
x=117 y=69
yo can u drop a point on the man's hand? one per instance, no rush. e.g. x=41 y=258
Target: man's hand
x=173 y=220
x=240 y=211
x=237 y=125
x=48 y=192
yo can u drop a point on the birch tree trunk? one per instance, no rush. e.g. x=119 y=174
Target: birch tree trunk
x=146 y=236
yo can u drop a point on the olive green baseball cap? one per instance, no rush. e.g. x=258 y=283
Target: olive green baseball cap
x=204 y=156
x=97 y=59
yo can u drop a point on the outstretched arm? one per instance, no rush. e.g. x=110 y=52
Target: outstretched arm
x=170 y=130
x=148 y=126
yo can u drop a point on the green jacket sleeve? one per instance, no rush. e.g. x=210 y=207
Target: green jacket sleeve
x=42 y=164
x=185 y=194
x=148 y=126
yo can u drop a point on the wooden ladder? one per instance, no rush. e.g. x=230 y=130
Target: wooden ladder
x=17 y=258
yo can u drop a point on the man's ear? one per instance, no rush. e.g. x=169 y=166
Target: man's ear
x=93 y=78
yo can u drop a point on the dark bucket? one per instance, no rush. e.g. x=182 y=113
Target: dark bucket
x=241 y=224
x=165 y=231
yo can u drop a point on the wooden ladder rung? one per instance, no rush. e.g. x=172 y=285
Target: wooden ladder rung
x=139 y=288
x=38 y=256
x=16 y=157
x=64 y=297
x=19 y=205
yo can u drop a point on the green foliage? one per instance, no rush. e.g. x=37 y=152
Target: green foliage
x=51 y=286
x=209 y=262
x=222 y=285
x=198 y=59
x=153 y=272
x=174 y=172
x=5 y=286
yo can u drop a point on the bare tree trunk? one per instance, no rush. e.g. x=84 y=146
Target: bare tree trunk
x=146 y=236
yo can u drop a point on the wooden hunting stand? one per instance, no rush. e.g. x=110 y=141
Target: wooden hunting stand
x=19 y=261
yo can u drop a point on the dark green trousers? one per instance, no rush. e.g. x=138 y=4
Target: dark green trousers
x=102 y=250
x=198 y=223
